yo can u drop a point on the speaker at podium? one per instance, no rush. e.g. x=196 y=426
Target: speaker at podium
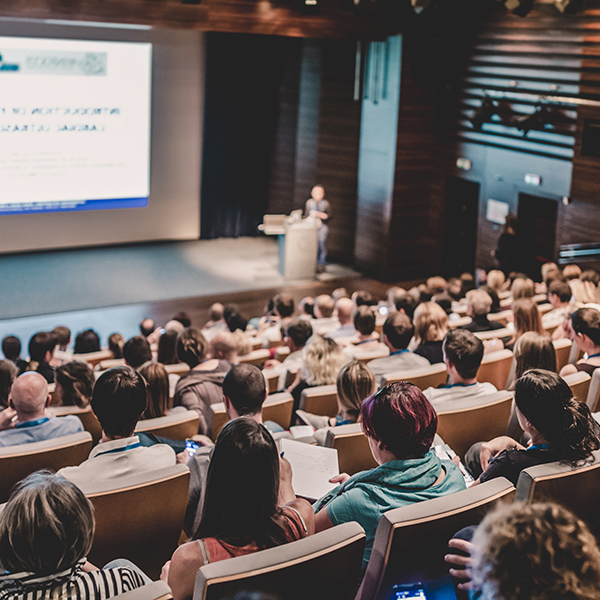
x=297 y=238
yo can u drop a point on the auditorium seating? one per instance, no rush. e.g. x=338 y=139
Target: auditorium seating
x=85 y=415
x=495 y=368
x=256 y=357
x=141 y=520
x=110 y=363
x=455 y=323
x=177 y=369
x=94 y=358
x=593 y=399
x=410 y=542
x=580 y=384
x=272 y=380
x=368 y=355
x=320 y=400
x=54 y=399
x=16 y=462
x=562 y=348
x=432 y=376
x=354 y=453
x=324 y=565
x=501 y=317
x=474 y=420
x=177 y=426
x=494 y=333
x=282 y=353
x=157 y=590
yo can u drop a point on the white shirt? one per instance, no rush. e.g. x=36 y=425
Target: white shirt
x=442 y=397
x=293 y=362
x=555 y=317
x=324 y=325
x=119 y=460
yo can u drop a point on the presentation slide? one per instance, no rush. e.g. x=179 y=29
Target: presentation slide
x=74 y=125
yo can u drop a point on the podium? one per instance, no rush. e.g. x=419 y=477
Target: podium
x=298 y=244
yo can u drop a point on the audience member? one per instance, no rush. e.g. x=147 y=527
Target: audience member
x=157 y=386
x=535 y=352
x=363 y=298
x=86 y=341
x=11 y=348
x=585 y=324
x=431 y=325
x=118 y=401
x=8 y=373
x=25 y=420
x=147 y=327
x=224 y=346
x=550 y=272
x=559 y=296
x=405 y=303
x=522 y=288
x=216 y=322
x=559 y=426
x=234 y=320
x=306 y=308
x=46 y=533
x=479 y=307
x=364 y=324
x=468 y=283
x=62 y=335
x=345 y=310
x=41 y=352
x=74 y=384
x=167 y=348
x=454 y=289
x=437 y=285
x=496 y=280
x=571 y=272
x=463 y=353
x=397 y=333
x=585 y=289
x=340 y=292
x=526 y=318
x=241 y=517
x=325 y=321
x=137 y=352
x=400 y=425
x=183 y=318
x=115 y=344
x=269 y=329
x=201 y=386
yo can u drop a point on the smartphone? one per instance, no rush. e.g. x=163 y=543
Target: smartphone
x=162 y=331
x=191 y=447
x=384 y=310
x=409 y=590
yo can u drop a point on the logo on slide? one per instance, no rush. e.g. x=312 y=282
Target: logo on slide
x=52 y=62
x=4 y=66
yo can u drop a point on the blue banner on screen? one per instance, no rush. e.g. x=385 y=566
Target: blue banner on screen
x=48 y=207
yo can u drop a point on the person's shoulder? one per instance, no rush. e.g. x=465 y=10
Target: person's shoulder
x=487 y=388
x=71 y=422
x=495 y=325
x=189 y=555
x=162 y=451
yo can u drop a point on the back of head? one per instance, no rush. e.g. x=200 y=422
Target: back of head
x=465 y=351
x=590 y=275
x=468 y=282
x=340 y=293
x=527 y=316
x=454 y=289
x=522 y=288
x=534 y=351
x=560 y=289
x=245 y=387
x=431 y=322
x=300 y=331
x=324 y=306
x=87 y=341
x=29 y=393
x=345 y=308
x=137 y=351
x=215 y=312
x=586 y=321
x=235 y=321
x=496 y=279
x=480 y=302
x=535 y=552
x=167 y=348
x=11 y=347
x=284 y=305
x=146 y=327
x=401 y=418
x=157 y=380
x=363 y=298
x=242 y=487
x=46 y=526
x=118 y=400
x=183 y=318
x=191 y=347
x=406 y=303
x=398 y=329
x=550 y=272
x=323 y=359
x=115 y=344
x=8 y=373
x=571 y=272
x=225 y=346
x=546 y=401
x=77 y=382
x=40 y=344
x=354 y=383
x=62 y=335
x=306 y=306
x=437 y=285
x=364 y=320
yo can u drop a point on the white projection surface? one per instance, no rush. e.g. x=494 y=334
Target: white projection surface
x=74 y=124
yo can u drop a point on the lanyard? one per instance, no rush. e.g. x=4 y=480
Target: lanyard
x=115 y=450
x=399 y=352
x=26 y=424
x=451 y=385
x=539 y=447
x=594 y=355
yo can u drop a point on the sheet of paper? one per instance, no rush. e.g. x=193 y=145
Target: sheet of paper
x=300 y=431
x=312 y=467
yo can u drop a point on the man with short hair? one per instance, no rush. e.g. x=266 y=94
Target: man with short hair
x=118 y=401
x=364 y=323
x=398 y=330
x=559 y=296
x=63 y=337
x=25 y=420
x=146 y=327
x=270 y=327
x=216 y=322
x=41 y=352
x=479 y=306
x=224 y=346
x=11 y=348
x=137 y=352
x=463 y=353
x=345 y=311
x=324 y=320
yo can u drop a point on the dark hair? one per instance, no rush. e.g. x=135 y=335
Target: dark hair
x=242 y=488
x=235 y=321
x=398 y=329
x=406 y=302
x=40 y=344
x=364 y=320
x=62 y=334
x=115 y=344
x=183 y=318
x=137 y=351
x=464 y=350
x=308 y=305
x=534 y=351
x=590 y=275
x=87 y=341
x=157 y=386
x=118 y=400
x=300 y=331
x=146 y=327
x=245 y=387
x=11 y=347
x=401 y=418
x=8 y=373
x=586 y=321
x=561 y=289
x=363 y=298
x=546 y=401
x=167 y=348
x=77 y=382
x=284 y=305
x=191 y=346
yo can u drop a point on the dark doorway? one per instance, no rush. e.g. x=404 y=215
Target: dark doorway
x=460 y=238
x=537 y=230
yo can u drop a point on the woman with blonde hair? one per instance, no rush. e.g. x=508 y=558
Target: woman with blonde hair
x=535 y=351
x=522 y=288
x=431 y=325
x=526 y=317
x=495 y=280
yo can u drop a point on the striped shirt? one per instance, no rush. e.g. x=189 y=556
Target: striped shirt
x=71 y=584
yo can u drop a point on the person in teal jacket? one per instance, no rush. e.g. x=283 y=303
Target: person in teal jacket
x=400 y=424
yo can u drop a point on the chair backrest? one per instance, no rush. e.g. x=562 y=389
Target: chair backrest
x=580 y=384
x=320 y=400
x=256 y=357
x=495 y=368
x=177 y=369
x=85 y=415
x=141 y=521
x=282 y=353
x=93 y=358
x=455 y=323
x=494 y=333
x=577 y=489
x=104 y=365
x=543 y=305
x=593 y=398
x=474 y=420
x=432 y=376
x=54 y=399
x=562 y=348
x=324 y=565
x=354 y=453
x=272 y=380
x=157 y=590
x=501 y=317
x=178 y=426
x=367 y=356
x=410 y=542
x=576 y=354
x=16 y=462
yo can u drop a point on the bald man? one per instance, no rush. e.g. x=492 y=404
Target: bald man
x=26 y=419
x=345 y=312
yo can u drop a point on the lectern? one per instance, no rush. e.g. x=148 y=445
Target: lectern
x=297 y=239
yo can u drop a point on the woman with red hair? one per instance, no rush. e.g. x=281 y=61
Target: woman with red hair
x=400 y=424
